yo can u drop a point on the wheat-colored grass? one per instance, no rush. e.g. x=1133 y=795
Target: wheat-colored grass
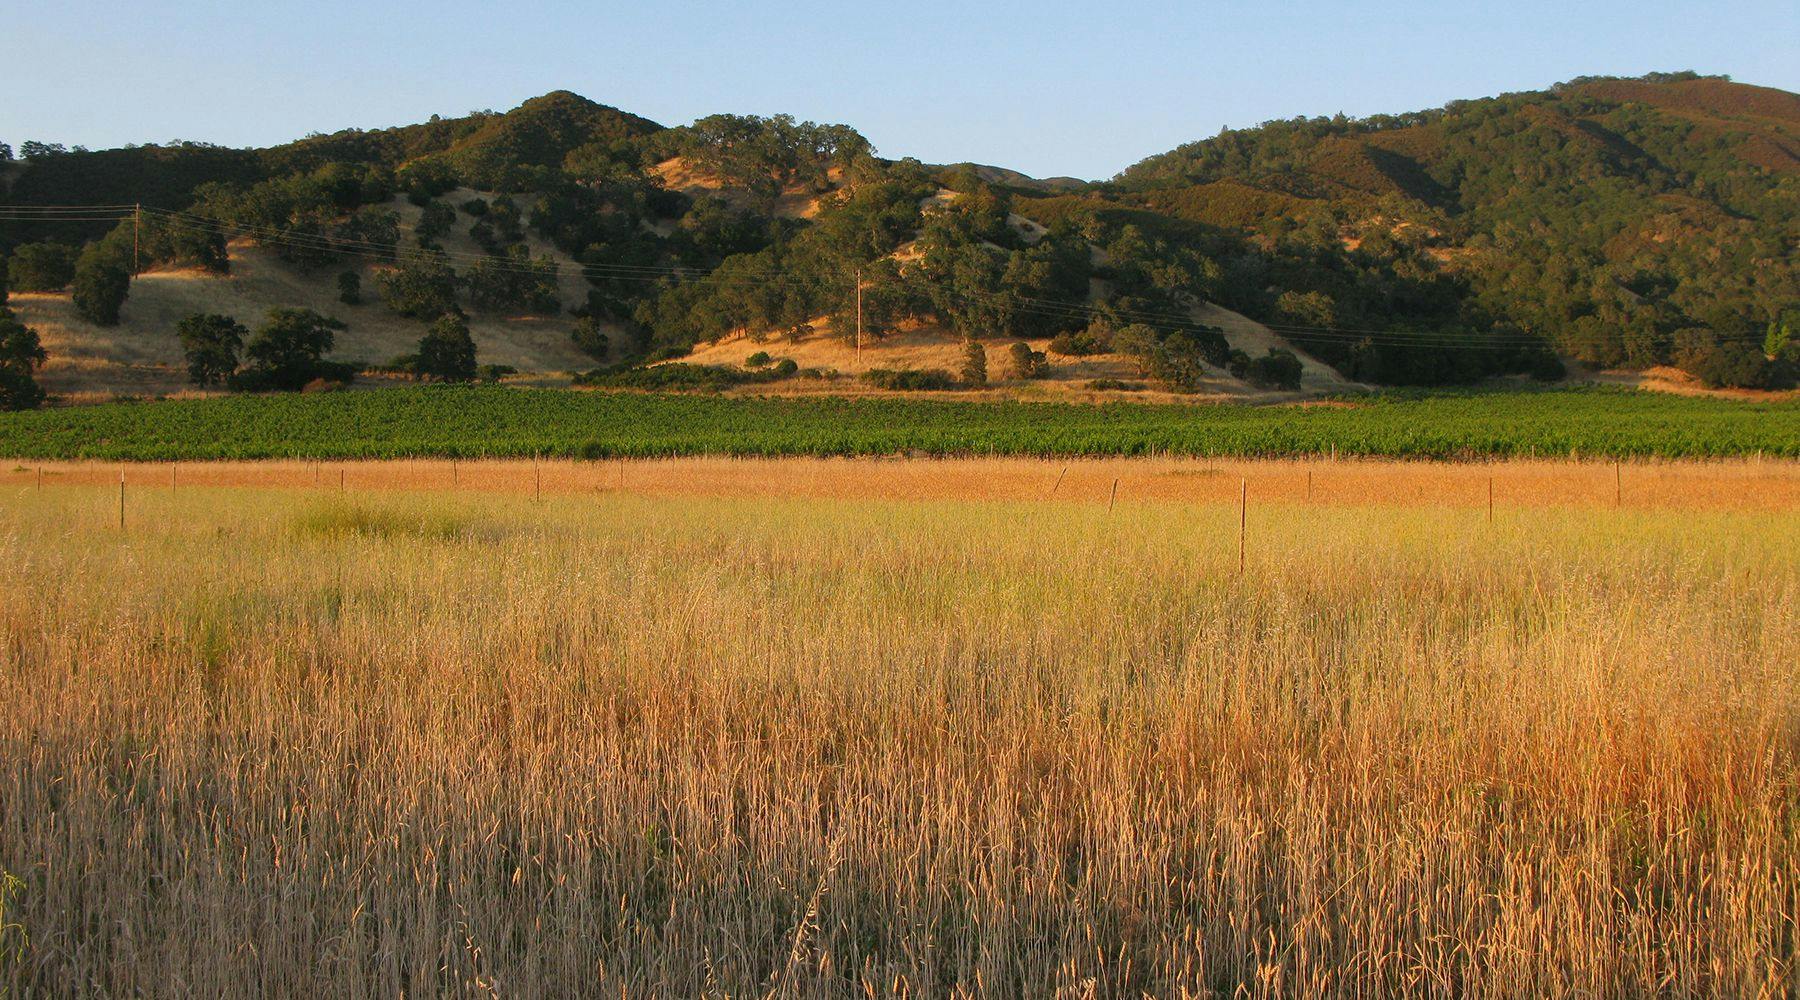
x=705 y=741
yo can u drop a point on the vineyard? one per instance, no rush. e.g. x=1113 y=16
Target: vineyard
x=501 y=421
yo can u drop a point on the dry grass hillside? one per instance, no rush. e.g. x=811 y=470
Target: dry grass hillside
x=933 y=346
x=142 y=356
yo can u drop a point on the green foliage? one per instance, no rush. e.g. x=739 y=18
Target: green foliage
x=910 y=379
x=41 y=267
x=102 y=280
x=589 y=339
x=431 y=420
x=422 y=286
x=288 y=352
x=447 y=352
x=1027 y=363
x=349 y=286
x=514 y=280
x=680 y=376
x=21 y=355
x=1278 y=369
x=210 y=344
x=766 y=155
x=435 y=220
x=974 y=367
x=757 y=360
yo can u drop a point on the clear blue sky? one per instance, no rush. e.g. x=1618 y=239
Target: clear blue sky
x=1048 y=88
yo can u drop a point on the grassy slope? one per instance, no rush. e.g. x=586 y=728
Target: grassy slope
x=499 y=421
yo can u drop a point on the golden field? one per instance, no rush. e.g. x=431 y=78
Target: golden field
x=878 y=728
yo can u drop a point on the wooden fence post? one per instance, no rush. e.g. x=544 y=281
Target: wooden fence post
x=1243 y=519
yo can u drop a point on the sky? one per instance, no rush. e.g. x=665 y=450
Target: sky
x=1048 y=88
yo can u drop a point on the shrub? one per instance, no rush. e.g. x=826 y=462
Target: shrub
x=1278 y=369
x=1117 y=385
x=1028 y=363
x=349 y=285
x=476 y=207
x=909 y=379
x=210 y=343
x=757 y=360
x=41 y=267
x=1096 y=339
x=494 y=373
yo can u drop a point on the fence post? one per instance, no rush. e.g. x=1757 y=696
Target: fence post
x=1618 y=485
x=1490 y=498
x=121 y=499
x=1115 y=496
x=1059 y=479
x=1243 y=519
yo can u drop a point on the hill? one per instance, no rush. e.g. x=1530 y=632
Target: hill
x=1622 y=224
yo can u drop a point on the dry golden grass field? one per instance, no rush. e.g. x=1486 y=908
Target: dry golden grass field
x=816 y=728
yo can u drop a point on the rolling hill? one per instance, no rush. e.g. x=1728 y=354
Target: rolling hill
x=1647 y=225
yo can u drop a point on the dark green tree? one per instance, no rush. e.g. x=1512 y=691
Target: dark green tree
x=349 y=285
x=447 y=352
x=589 y=339
x=423 y=286
x=210 y=343
x=974 y=368
x=41 y=267
x=288 y=350
x=21 y=354
x=100 y=284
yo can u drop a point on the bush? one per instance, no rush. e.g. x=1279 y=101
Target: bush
x=1278 y=369
x=476 y=207
x=1096 y=339
x=41 y=267
x=910 y=379
x=349 y=285
x=1028 y=363
x=757 y=360
x=1117 y=385
x=210 y=343
x=100 y=285
x=494 y=373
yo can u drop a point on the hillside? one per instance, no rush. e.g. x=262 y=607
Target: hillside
x=1628 y=226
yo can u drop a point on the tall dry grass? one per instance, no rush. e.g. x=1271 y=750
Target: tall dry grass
x=292 y=743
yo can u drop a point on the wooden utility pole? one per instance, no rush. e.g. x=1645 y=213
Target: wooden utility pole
x=537 y=478
x=859 y=321
x=1618 y=486
x=137 y=215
